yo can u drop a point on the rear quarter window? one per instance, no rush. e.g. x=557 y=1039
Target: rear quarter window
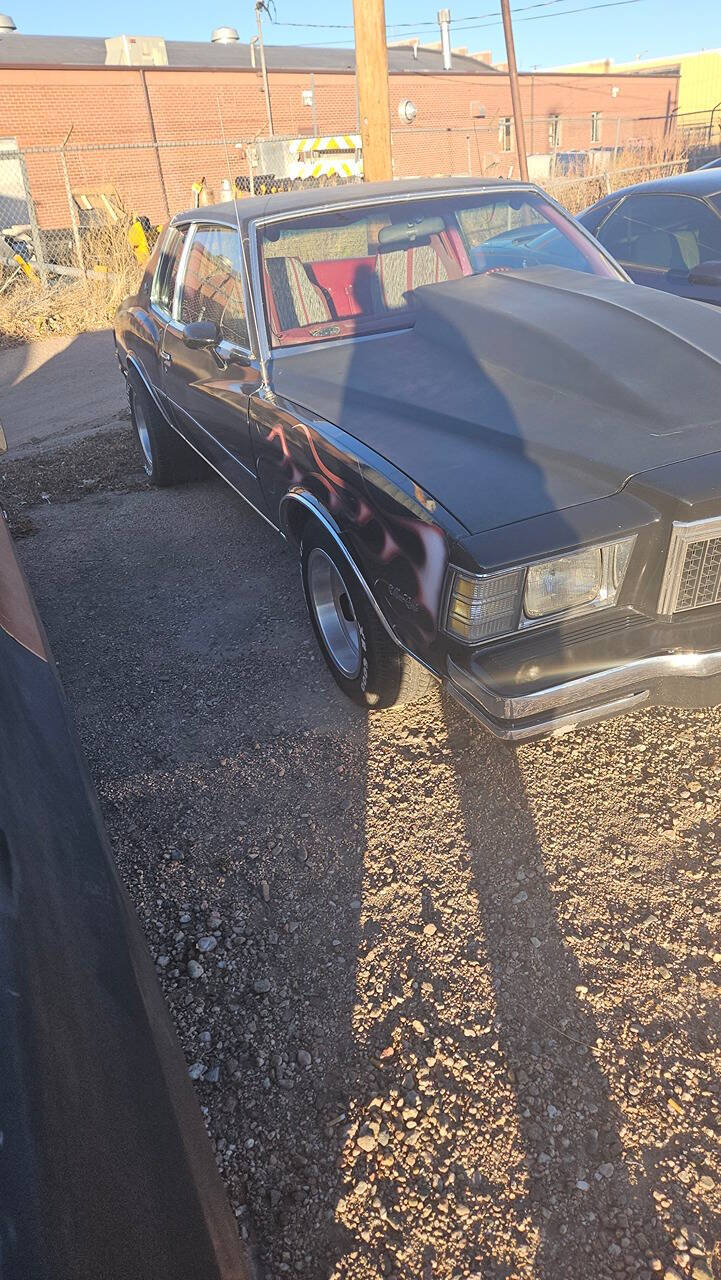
x=166 y=270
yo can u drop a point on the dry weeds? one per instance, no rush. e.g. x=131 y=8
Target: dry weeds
x=67 y=304
x=644 y=162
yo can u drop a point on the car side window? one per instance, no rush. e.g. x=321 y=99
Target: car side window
x=166 y=272
x=212 y=284
x=662 y=232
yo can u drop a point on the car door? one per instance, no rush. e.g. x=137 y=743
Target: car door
x=661 y=238
x=207 y=390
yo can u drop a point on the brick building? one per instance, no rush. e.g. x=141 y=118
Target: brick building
x=198 y=102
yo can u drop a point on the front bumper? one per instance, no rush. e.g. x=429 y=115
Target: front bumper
x=517 y=713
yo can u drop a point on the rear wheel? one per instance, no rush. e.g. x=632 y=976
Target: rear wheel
x=167 y=459
x=364 y=661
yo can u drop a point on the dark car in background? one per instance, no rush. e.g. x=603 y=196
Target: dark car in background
x=666 y=234
x=498 y=461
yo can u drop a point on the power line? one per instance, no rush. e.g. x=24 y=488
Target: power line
x=538 y=17
x=413 y=26
x=477 y=25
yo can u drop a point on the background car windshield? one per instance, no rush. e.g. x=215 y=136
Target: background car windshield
x=356 y=270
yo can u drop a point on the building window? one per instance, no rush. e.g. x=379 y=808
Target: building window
x=505 y=136
x=595 y=126
x=554 y=132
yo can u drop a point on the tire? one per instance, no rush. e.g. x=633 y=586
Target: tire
x=364 y=661
x=167 y=459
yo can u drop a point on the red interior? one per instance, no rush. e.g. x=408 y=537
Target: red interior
x=346 y=283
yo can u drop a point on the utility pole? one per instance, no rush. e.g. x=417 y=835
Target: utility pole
x=371 y=71
x=515 y=92
x=259 y=7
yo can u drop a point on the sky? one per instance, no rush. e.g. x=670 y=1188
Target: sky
x=547 y=32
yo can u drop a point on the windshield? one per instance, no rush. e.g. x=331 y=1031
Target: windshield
x=355 y=270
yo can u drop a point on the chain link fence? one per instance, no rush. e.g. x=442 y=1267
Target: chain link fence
x=59 y=205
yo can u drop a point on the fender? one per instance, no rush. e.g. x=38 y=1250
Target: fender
x=323 y=516
x=134 y=367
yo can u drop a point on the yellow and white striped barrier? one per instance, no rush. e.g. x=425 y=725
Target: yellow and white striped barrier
x=336 y=156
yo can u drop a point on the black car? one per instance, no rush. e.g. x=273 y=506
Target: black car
x=498 y=460
x=667 y=233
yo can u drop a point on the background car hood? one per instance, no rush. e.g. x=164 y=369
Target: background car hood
x=518 y=393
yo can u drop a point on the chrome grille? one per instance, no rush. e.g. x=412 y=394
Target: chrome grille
x=692 y=578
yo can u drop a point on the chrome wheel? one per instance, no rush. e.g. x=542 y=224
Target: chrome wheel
x=334 y=613
x=141 y=426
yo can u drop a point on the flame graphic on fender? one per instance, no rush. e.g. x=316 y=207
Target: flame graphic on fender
x=416 y=548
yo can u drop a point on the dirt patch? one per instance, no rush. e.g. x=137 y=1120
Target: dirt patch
x=108 y=460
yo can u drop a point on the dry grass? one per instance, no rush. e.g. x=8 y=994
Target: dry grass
x=641 y=163
x=73 y=304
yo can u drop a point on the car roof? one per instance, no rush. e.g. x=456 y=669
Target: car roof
x=700 y=182
x=291 y=202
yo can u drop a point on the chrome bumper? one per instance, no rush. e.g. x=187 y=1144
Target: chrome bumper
x=561 y=707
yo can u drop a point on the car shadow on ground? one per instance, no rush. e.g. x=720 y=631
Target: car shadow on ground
x=546 y=1146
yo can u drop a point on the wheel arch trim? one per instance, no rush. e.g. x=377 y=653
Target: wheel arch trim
x=306 y=499
x=134 y=366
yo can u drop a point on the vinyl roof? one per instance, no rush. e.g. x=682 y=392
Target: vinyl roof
x=17 y=48
x=360 y=192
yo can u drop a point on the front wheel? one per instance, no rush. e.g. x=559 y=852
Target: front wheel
x=363 y=659
x=167 y=459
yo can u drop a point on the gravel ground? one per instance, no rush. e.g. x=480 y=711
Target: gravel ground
x=452 y=1008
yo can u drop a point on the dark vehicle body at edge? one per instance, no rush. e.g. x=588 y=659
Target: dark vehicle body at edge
x=504 y=470
x=665 y=233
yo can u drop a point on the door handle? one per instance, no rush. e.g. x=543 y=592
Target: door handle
x=166 y=358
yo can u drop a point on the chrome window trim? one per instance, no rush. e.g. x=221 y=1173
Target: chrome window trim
x=154 y=305
x=682 y=533
x=180 y=277
x=193 y=229
x=267 y=352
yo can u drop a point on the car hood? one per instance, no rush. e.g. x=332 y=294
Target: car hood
x=519 y=393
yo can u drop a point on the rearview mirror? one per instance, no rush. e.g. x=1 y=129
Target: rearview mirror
x=201 y=333
x=706 y=273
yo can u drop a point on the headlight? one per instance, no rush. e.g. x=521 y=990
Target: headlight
x=557 y=585
x=581 y=581
x=482 y=606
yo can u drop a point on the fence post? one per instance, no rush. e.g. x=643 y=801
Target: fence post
x=32 y=217
x=618 y=134
x=73 y=212
x=313 y=102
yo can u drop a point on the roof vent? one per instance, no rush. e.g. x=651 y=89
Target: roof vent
x=224 y=35
x=135 y=51
x=6 y=24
